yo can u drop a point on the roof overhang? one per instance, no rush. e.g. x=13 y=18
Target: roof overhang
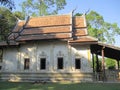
x=110 y=51
x=83 y=40
x=5 y=43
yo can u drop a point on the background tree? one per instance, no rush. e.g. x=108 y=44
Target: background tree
x=7 y=22
x=101 y=29
x=42 y=7
x=29 y=7
x=7 y=3
x=19 y=15
x=110 y=63
x=6 y=18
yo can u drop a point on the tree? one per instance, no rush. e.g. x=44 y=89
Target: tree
x=110 y=63
x=42 y=7
x=7 y=22
x=19 y=15
x=100 y=29
x=29 y=7
x=7 y=3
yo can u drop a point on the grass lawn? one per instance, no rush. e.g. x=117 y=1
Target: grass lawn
x=59 y=86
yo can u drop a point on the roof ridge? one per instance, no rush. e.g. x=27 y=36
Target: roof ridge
x=92 y=37
x=49 y=15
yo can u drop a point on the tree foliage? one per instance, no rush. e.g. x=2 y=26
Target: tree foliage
x=42 y=7
x=7 y=22
x=101 y=29
x=110 y=63
x=7 y=3
x=19 y=15
x=29 y=7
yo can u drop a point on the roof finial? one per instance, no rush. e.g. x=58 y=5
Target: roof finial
x=74 y=9
x=87 y=12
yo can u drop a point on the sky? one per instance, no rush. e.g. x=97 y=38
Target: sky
x=109 y=9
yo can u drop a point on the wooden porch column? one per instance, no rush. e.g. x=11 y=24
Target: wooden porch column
x=97 y=64
x=118 y=64
x=93 y=62
x=103 y=64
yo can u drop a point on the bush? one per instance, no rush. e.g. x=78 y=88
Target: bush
x=110 y=63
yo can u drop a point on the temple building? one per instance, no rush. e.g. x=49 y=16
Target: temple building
x=53 y=48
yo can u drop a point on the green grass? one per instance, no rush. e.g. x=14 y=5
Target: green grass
x=58 y=86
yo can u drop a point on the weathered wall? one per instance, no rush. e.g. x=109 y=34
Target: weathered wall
x=14 y=57
x=10 y=59
x=83 y=52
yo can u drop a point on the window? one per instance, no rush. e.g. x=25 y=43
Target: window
x=77 y=63
x=60 y=63
x=43 y=63
x=26 y=63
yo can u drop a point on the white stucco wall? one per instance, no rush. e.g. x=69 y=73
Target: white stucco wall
x=13 y=57
x=83 y=52
x=10 y=59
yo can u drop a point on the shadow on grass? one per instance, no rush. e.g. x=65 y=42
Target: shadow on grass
x=59 y=86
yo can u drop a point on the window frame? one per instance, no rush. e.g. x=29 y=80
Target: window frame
x=26 y=63
x=40 y=66
x=60 y=64
x=77 y=63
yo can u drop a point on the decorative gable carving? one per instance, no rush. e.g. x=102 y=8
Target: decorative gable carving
x=60 y=54
x=42 y=54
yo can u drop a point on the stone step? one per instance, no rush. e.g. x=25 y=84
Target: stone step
x=54 y=77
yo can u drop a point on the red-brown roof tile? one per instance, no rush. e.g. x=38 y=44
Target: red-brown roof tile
x=47 y=30
x=5 y=43
x=49 y=21
x=79 y=22
x=44 y=36
x=52 y=27
x=80 y=32
x=18 y=26
x=83 y=39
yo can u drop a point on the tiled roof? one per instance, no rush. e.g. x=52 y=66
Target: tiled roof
x=47 y=30
x=79 y=22
x=83 y=39
x=18 y=26
x=41 y=37
x=51 y=27
x=80 y=32
x=49 y=21
x=12 y=43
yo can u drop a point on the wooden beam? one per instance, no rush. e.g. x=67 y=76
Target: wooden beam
x=103 y=64
x=118 y=64
x=93 y=62
x=97 y=64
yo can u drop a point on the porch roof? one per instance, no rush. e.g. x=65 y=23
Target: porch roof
x=110 y=51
